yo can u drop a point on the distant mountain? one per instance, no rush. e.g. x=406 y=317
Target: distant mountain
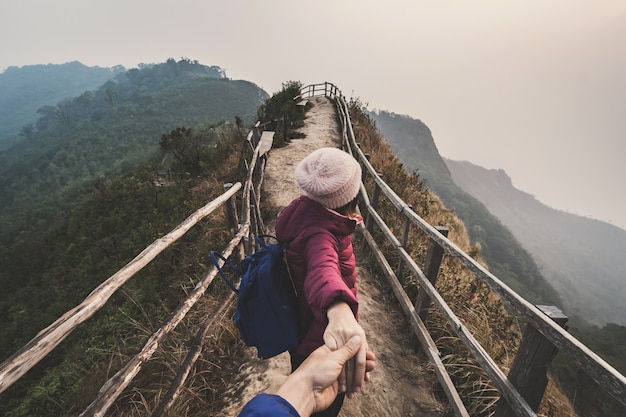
x=412 y=141
x=23 y=90
x=582 y=258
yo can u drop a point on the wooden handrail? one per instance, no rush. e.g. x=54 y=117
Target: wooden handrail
x=116 y=385
x=50 y=337
x=603 y=373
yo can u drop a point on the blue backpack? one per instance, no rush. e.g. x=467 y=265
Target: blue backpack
x=267 y=311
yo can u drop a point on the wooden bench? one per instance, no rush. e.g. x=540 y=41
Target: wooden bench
x=302 y=102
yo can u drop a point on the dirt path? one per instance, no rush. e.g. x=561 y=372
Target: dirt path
x=402 y=384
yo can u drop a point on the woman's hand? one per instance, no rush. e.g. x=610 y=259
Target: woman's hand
x=342 y=326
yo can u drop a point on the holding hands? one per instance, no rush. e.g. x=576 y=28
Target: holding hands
x=342 y=326
x=314 y=385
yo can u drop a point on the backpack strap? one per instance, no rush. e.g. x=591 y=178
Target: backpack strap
x=215 y=255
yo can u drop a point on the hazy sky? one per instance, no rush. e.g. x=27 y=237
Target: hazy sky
x=535 y=87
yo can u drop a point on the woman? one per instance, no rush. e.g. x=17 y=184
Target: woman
x=321 y=260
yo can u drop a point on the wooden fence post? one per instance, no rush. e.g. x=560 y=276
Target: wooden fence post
x=405 y=239
x=231 y=211
x=374 y=204
x=528 y=373
x=253 y=223
x=363 y=170
x=431 y=269
x=256 y=134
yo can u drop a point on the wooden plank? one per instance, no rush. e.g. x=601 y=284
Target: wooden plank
x=265 y=144
x=50 y=337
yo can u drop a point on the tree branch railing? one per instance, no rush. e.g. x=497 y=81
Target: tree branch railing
x=116 y=385
x=322 y=89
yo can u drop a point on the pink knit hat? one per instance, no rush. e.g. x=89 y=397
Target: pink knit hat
x=329 y=176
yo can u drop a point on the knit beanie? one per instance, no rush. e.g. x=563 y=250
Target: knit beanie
x=329 y=176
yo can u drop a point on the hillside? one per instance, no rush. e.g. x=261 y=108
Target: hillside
x=24 y=90
x=106 y=131
x=581 y=257
x=65 y=207
x=413 y=142
x=506 y=256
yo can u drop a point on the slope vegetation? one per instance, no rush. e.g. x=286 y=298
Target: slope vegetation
x=105 y=132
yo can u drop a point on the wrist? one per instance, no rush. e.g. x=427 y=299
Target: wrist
x=298 y=392
x=338 y=309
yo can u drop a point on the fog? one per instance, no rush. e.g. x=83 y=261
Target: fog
x=535 y=88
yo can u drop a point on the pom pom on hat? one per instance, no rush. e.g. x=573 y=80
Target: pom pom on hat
x=329 y=176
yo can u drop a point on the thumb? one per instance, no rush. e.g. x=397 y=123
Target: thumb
x=348 y=350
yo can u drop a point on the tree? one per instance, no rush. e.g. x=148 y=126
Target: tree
x=280 y=112
x=64 y=113
x=27 y=131
x=109 y=89
x=185 y=147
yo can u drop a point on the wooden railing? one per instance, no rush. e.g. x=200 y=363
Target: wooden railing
x=521 y=391
x=323 y=89
x=257 y=144
x=523 y=388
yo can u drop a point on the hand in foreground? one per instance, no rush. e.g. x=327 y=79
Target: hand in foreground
x=314 y=386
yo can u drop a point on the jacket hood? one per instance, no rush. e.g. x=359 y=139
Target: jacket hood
x=306 y=215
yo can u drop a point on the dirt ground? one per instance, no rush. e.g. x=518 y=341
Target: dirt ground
x=403 y=382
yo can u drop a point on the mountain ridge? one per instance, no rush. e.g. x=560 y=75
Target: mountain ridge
x=24 y=90
x=415 y=146
x=569 y=248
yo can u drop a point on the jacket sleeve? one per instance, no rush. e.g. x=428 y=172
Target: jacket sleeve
x=324 y=283
x=266 y=405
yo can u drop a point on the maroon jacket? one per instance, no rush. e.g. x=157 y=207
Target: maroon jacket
x=322 y=272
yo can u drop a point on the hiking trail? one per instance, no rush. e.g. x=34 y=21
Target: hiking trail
x=403 y=383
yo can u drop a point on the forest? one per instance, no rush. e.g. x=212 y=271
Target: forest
x=143 y=152
x=24 y=90
x=107 y=131
x=78 y=186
